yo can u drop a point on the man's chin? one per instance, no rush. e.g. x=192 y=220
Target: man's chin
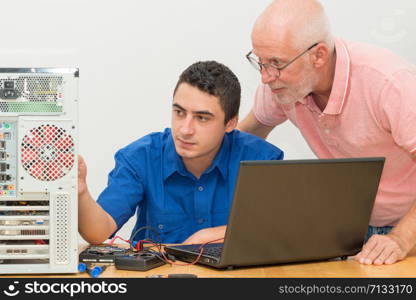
x=286 y=101
x=184 y=153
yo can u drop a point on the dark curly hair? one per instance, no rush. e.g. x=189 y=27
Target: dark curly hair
x=215 y=79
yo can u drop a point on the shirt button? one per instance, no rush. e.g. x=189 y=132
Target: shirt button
x=200 y=188
x=160 y=226
x=327 y=131
x=200 y=221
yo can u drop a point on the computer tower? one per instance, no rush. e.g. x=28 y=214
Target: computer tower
x=38 y=170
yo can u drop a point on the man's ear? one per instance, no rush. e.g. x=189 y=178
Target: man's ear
x=320 y=56
x=231 y=124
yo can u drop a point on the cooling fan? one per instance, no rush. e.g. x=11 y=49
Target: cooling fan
x=47 y=152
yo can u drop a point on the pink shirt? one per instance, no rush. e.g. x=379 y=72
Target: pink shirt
x=371 y=112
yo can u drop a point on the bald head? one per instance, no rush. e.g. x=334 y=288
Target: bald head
x=295 y=24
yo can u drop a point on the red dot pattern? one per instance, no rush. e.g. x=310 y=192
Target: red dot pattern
x=48 y=152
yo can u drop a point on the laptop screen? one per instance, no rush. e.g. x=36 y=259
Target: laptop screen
x=300 y=210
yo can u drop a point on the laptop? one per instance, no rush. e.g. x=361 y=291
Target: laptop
x=293 y=211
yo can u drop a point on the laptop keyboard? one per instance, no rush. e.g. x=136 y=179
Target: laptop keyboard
x=213 y=250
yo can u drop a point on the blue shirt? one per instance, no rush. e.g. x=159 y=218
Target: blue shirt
x=150 y=179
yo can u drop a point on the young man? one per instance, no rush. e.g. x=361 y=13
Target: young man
x=179 y=181
x=348 y=100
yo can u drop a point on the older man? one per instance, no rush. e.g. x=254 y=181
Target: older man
x=348 y=100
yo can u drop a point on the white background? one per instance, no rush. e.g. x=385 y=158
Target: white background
x=131 y=52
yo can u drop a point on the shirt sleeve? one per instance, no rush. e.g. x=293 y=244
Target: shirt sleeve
x=123 y=193
x=256 y=148
x=266 y=110
x=270 y=152
x=278 y=155
x=398 y=100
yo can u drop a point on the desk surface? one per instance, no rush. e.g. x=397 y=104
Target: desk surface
x=348 y=268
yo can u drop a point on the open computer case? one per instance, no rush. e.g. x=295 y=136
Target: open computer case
x=38 y=170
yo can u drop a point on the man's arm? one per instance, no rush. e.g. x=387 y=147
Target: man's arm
x=94 y=224
x=387 y=249
x=251 y=125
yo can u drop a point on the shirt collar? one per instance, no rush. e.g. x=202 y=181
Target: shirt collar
x=172 y=162
x=340 y=85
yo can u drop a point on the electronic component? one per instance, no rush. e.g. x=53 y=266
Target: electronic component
x=5 y=177
x=9 y=92
x=102 y=254
x=38 y=174
x=4 y=167
x=140 y=261
x=3 y=155
x=8 y=84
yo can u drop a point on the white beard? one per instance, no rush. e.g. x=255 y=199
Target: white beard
x=295 y=93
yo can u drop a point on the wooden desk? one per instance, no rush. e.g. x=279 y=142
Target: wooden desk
x=348 y=268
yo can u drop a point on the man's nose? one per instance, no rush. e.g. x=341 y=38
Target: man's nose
x=266 y=78
x=187 y=127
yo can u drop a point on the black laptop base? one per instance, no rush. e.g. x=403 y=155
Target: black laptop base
x=190 y=253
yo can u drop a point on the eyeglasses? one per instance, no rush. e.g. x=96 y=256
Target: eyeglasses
x=272 y=68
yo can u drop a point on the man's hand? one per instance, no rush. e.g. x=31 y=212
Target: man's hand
x=94 y=224
x=82 y=175
x=207 y=235
x=382 y=249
